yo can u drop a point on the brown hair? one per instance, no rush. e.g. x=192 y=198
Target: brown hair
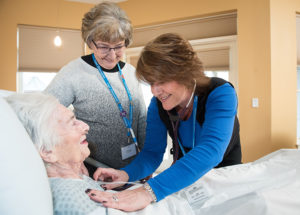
x=106 y=22
x=169 y=57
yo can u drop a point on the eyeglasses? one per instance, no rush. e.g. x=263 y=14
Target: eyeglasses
x=106 y=49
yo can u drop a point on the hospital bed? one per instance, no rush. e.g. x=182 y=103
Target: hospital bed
x=268 y=186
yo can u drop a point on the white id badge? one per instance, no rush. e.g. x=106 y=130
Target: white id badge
x=128 y=151
x=196 y=193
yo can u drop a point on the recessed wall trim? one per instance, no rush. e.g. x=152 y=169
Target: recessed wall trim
x=188 y=21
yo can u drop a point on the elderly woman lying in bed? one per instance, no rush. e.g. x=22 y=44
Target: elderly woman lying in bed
x=61 y=142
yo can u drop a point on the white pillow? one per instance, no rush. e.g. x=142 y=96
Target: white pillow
x=24 y=186
x=4 y=93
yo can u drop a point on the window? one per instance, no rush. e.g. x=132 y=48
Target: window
x=39 y=59
x=34 y=81
x=220 y=74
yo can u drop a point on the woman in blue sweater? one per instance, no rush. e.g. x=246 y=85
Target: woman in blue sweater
x=198 y=112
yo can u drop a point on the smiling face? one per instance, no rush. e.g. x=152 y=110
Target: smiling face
x=108 y=54
x=171 y=94
x=72 y=147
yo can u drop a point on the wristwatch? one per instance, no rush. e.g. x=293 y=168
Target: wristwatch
x=149 y=189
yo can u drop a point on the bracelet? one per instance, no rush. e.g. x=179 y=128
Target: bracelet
x=149 y=189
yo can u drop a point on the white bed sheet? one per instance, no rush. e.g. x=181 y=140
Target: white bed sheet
x=278 y=193
x=268 y=186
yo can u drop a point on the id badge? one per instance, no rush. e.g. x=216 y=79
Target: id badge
x=196 y=193
x=128 y=151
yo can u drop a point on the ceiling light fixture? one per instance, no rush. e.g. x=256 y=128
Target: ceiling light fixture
x=57 y=39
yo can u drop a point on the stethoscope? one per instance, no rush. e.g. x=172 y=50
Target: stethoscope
x=175 y=126
x=128 y=123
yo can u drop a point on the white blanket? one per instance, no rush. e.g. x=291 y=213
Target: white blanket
x=268 y=186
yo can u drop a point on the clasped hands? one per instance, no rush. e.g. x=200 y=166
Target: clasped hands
x=127 y=200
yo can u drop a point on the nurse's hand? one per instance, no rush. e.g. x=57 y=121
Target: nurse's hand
x=127 y=200
x=111 y=175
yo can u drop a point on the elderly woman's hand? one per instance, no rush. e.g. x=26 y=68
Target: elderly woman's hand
x=127 y=200
x=111 y=175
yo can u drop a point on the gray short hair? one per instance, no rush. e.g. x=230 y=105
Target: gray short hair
x=36 y=111
x=106 y=22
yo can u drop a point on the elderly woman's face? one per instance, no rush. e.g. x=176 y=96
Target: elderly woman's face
x=108 y=54
x=171 y=94
x=73 y=147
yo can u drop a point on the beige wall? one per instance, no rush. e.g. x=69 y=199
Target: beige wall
x=283 y=75
x=254 y=77
x=266 y=54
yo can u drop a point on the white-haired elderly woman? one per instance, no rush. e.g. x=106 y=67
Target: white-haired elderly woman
x=61 y=142
x=103 y=90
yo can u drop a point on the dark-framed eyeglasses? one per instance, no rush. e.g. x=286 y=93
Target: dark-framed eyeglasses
x=106 y=49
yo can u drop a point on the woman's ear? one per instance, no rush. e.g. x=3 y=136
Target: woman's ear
x=48 y=156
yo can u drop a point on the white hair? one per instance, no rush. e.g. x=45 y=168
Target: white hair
x=36 y=111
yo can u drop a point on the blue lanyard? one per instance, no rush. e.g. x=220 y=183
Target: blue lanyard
x=194 y=126
x=128 y=123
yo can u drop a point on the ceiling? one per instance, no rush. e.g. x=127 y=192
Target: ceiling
x=95 y=1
